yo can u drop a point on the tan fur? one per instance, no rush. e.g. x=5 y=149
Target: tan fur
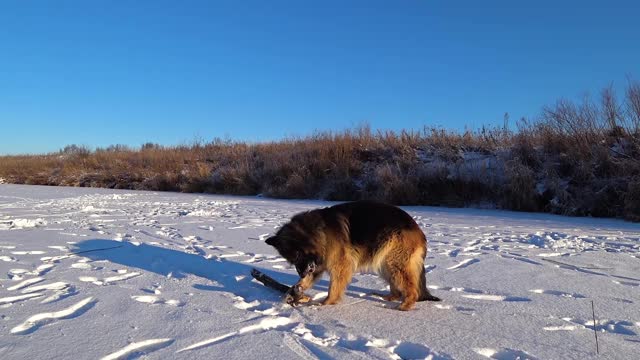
x=342 y=240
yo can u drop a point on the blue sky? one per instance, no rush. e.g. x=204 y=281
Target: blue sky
x=127 y=72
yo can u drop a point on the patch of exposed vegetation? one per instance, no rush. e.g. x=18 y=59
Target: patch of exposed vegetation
x=576 y=159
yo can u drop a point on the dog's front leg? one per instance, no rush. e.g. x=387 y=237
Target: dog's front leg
x=340 y=277
x=296 y=294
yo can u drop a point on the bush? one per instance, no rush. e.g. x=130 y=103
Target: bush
x=632 y=201
x=520 y=191
x=575 y=159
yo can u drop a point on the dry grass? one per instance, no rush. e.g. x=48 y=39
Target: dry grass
x=577 y=159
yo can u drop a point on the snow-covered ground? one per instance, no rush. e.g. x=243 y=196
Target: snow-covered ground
x=96 y=273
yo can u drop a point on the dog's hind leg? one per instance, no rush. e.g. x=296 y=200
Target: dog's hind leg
x=393 y=295
x=404 y=275
x=407 y=286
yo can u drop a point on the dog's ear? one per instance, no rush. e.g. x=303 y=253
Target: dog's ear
x=273 y=241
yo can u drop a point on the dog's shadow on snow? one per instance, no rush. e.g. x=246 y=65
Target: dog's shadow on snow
x=226 y=275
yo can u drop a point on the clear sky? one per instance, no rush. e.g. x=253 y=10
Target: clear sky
x=99 y=72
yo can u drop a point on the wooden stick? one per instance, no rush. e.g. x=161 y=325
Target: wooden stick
x=293 y=294
x=268 y=281
x=595 y=332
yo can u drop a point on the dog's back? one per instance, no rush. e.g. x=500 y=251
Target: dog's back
x=370 y=222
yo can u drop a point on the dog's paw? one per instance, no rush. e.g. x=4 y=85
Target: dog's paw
x=304 y=299
x=329 y=301
x=295 y=296
x=387 y=297
x=406 y=306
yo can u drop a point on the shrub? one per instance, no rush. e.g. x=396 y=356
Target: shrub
x=632 y=200
x=577 y=159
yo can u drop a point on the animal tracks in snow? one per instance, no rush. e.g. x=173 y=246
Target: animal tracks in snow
x=60 y=285
x=29 y=252
x=518 y=257
x=25 y=283
x=140 y=347
x=109 y=280
x=152 y=299
x=306 y=336
x=456 y=289
x=60 y=290
x=558 y=293
x=489 y=297
x=505 y=354
x=84 y=266
x=35 y=321
x=271 y=322
x=464 y=264
x=626 y=283
x=620 y=327
x=407 y=350
x=18 y=274
x=476 y=294
x=13 y=299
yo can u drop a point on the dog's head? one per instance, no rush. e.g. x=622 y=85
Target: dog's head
x=297 y=245
x=305 y=263
x=286 y=247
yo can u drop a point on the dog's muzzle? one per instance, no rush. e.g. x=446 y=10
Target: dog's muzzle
x=306 y=269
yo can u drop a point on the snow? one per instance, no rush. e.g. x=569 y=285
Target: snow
x=21 y=223
x=98 y=273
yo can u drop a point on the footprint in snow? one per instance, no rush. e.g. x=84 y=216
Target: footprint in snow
x=558 y=293
x=456 y=289
x=626 y=283
x=267 y=323
x=303 y=335
x=451 y=253
x=85 y=266
x=34 y=322
x=17 y=274
x=25 y=283
x=138 y=348
x=620 y=327
x=464 y=264
x=407 y=350
x=505 y=354
x=479 y=294
x=520 y=258
x=255 y=306
x=462 y=309
x=429 y=268
x=13 y=299
x=490 y=297
x=60 y=289
x=624 y=301
x=56 y=286
x=29 y=252
x=109 y=280
x=152 y=299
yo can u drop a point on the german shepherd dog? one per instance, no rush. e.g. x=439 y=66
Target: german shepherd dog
x=356 y=236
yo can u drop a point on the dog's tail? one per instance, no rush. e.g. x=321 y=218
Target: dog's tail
x=425 y=295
